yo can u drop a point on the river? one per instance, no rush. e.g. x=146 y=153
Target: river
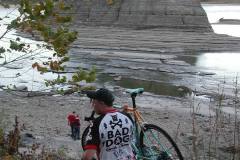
x=224 y=65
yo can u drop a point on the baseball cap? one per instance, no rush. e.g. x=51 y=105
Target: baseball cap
x=103 y=95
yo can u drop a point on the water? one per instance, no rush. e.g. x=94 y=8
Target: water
x=160 y=88
x=226 y=11
x=217 y=11
x=226 y=63
x=223 y=64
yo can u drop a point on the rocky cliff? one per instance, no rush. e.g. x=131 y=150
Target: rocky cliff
x=143 y=13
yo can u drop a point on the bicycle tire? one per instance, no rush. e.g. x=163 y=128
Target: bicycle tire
x=84 y=137
x=167 y=149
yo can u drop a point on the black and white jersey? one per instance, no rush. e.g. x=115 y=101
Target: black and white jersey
x=111 y=135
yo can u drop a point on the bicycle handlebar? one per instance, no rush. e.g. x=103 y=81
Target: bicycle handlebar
x=90 y=118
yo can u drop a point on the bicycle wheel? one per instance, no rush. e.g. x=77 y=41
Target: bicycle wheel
x=156 y=144
x=84 y=137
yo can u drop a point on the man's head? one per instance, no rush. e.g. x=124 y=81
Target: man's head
x=102 y=100
x=103 y=95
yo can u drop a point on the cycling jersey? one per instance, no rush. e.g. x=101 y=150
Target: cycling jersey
x=111 y=135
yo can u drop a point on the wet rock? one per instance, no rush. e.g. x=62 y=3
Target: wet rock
x=27 y=139
x=117 y=78
x=206 y=73
x=175 y=62
x=29 y=135
x=165 y=117
x=2 y=86
x=207 y=129
x=229 y=21
x=199 y=114
x=191 y=136
x=135 y=68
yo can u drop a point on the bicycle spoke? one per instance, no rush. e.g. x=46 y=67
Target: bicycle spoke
x=158 y=145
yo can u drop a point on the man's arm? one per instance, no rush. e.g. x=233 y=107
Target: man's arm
x=93 y=141
x=90 y=154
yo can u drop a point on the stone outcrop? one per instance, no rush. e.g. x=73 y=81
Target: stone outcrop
x=143 y=14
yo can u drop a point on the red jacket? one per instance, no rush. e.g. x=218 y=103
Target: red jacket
x=77 y=122
x=71 y=118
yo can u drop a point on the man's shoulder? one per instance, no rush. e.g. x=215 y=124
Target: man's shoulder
x=116 y=115
x=111 y=115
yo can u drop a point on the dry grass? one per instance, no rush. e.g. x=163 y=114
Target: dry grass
x=218 y=138
x=9 y=148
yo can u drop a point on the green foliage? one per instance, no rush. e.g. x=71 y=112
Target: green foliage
x=14 y=45
x=41 y=17
x=89 y=76
x=2 y=50
x=14 y=24
x=49 y=7
x=59 y=80
x=25 y=7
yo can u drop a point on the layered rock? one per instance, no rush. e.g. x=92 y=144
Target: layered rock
x=143 y=13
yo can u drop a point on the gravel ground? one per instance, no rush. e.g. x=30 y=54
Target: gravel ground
x=44 y=117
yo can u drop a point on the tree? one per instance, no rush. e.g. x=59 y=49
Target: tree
x=49 y=20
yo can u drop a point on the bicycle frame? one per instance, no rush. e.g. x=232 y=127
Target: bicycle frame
x=138 y=122
x=138 y=117
x=139 y=125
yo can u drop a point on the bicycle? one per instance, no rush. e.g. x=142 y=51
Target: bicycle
x=151 y=141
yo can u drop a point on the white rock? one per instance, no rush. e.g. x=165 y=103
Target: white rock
x=21 y=88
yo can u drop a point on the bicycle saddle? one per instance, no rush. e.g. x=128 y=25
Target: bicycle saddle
x=135 y=91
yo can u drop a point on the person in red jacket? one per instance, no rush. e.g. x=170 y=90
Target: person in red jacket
x=71 y=119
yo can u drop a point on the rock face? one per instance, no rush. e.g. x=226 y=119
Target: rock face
x=143 y=13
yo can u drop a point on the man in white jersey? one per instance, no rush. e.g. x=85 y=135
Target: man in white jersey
x=111 y=134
